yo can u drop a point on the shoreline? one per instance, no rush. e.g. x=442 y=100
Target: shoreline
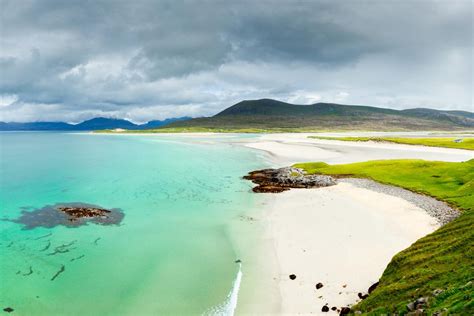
x=342 y=236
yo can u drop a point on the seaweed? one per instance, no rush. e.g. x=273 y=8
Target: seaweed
x=44 y=236
x=77 y=258
x=61 y=270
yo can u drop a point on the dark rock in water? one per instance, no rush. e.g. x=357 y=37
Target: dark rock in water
x=68 y=214
x=345 y=311
x=279 y=180
x=373 y=287
x=77 y=212
x=292 y=276
x=319 y=285
x=333 y=308
x=8 y=309
x=362 y=296
x=325 y=309
x=238 y=261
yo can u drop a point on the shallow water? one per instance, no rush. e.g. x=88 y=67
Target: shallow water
x=171 y=253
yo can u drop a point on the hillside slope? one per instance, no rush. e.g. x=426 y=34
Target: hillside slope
x=268 y=113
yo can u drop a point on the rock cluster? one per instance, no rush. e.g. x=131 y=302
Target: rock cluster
x=279 y=180
x=76 y=212
x=68 y=214
x=417 y=306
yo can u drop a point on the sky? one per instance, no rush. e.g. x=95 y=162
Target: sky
x=143 y=60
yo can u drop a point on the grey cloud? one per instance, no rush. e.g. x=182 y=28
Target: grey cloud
x=117 y=56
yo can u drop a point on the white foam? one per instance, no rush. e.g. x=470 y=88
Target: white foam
x=227 y=308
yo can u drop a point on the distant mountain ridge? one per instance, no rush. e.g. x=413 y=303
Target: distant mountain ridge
x=268 y=113
x=97 y=123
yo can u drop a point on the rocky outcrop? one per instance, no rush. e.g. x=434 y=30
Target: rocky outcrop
x=279 y=180
x=68 y=214
x=76 y=212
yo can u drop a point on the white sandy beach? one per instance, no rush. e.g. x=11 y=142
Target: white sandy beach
x=342 y=236
x=286 y=149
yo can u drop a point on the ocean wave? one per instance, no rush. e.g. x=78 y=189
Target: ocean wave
x=228 y=306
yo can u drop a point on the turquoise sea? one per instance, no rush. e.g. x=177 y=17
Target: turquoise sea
x=173 y=253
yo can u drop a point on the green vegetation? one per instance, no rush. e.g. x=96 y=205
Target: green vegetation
x=270 y=114
x=450 y=142
x=442 y=260
x=196 y=129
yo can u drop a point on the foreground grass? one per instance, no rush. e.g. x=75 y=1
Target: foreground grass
x=449 y=142
x=442 y=260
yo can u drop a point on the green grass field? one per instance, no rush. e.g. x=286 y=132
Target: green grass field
x=442 y=260
x=449 y=142
x=191 y=129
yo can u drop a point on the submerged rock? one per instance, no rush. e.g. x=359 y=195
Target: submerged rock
x=68 y=214
x=8 y=309
x=76 y=212
x=279 y=180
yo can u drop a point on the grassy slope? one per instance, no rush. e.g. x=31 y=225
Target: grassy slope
x=372 y=122
x=268 y=114
x=443 y=259
x=467 y=143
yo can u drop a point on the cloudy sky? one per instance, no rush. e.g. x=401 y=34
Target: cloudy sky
x=143 y=59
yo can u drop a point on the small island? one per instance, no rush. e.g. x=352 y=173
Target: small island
x=69 y=215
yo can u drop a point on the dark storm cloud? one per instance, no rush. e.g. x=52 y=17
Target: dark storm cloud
x=145 y=59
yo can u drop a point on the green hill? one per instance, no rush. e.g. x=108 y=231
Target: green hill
x=268 y=113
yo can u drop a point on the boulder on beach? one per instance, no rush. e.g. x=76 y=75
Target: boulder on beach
x=279 y=180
